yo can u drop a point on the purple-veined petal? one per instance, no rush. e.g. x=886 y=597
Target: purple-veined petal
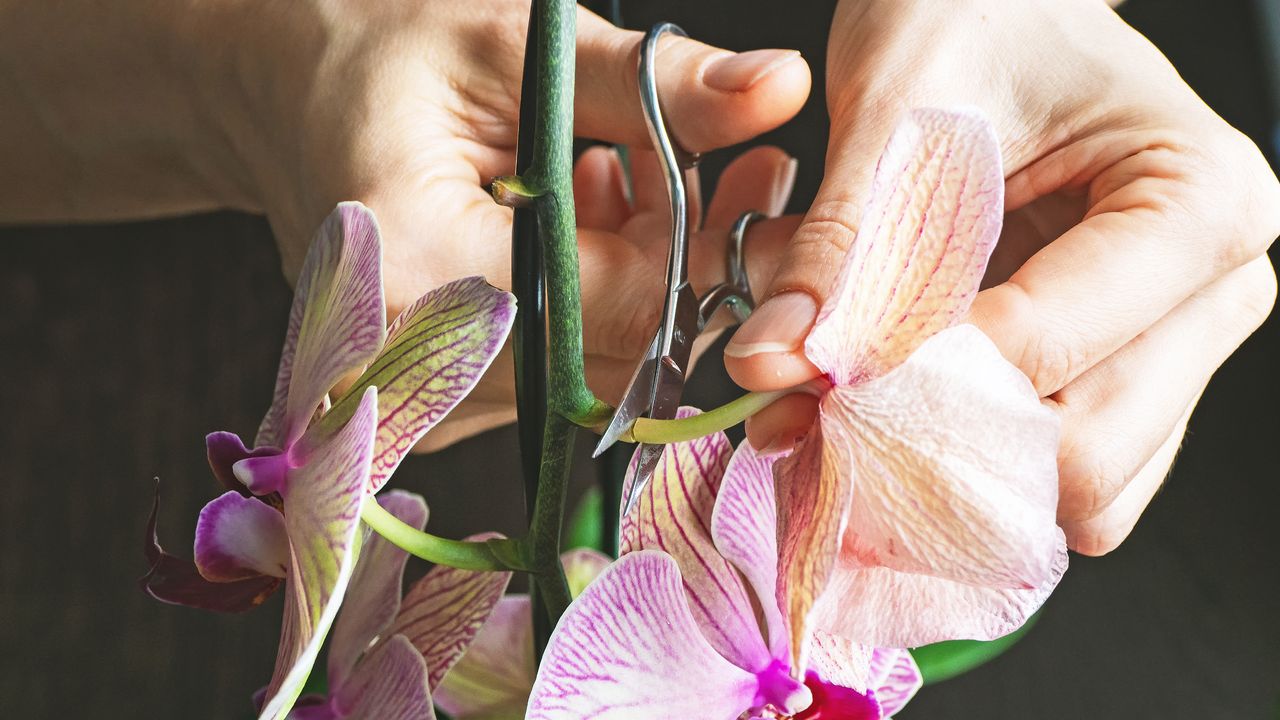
x=674 y=516
x=389 y=683
x=955 y=467
x=436 y=351
x=813 y=485
x=933 y=217
x=176 y=580
x=581 y=566
x=744 y=526
x=895 y=679
x=493 y=679
x=224 y=450
x=895 y=609
x=239 y=537
x=629 y=648
x=337 y=323
x=443 y=611
x=374 y=597
x=322 y=503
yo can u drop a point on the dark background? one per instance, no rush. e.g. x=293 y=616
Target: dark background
x=121 y=346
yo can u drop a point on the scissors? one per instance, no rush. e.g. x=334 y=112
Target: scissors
x=659 y=380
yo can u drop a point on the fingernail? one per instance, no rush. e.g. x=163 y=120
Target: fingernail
x=739 y=71
x=784 y=181
x=780 y=324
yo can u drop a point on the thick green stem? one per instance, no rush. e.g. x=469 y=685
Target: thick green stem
x=463 y=554
x=551 y=178
x=543 y=541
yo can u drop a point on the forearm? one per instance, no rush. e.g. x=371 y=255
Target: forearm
x=110 y=110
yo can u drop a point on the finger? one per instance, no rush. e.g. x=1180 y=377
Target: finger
x=623 y=283
x=761 y=179
x=600 y=190
x=648 y=184
x=1117 y=415
x=779 y=426
x=1100 y=535
x=1152 y=238
x=744 y=94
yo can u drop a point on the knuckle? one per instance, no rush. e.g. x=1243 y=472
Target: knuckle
x=1250 y=214
x=816 y=252
x=1051 y=363
x=1091 y=479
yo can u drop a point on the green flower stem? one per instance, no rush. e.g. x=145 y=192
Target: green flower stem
x=550 y=178
x=543 y=542
x=464 y=554
x=661 y=432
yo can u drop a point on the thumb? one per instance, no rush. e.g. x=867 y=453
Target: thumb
x=767 y=352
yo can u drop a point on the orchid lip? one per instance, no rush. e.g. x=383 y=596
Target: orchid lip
x=780 y=692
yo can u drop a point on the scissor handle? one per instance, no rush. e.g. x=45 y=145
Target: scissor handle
x=675 y=164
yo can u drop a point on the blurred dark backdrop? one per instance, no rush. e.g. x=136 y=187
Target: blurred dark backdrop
x=121 y=346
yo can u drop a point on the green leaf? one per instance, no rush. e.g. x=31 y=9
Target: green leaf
x=945 y=660
x=584 y=524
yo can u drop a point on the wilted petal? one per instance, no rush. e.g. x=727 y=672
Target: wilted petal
x=443 y=611
x=897 y=609
x=581 y=566
x=954 y=464
x=176 y=580
x=239 y=537
x=493 y=679
x=629 y=648
x=322 y=515
x=436 y=351
x=337 y=322
x=374 y=598
x=744 y=526
x=814 y=487
x=930 y=224
x=674 y=516
x=390 y=683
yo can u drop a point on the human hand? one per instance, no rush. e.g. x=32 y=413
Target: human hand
x=412 y=108
x=1133 y=258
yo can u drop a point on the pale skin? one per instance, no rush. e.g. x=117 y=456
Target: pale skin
x=1133 y=261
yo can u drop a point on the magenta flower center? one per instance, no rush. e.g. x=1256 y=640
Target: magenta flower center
x=833 y=702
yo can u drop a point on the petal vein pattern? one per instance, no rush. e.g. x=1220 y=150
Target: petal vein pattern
x=931 y=222
x=629 y=648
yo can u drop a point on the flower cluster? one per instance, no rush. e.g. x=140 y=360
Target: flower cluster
x=919 y=507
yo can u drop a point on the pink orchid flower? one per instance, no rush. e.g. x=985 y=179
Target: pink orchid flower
x=387 y=656
x=493 y=679
x=689 y=621
x=921 y=506
x=293 y=508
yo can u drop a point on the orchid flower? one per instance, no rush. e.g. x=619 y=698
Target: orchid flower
x=493 y=679
x=293 y=508
x=921 y=505
x=386 y=656
x=689 y=621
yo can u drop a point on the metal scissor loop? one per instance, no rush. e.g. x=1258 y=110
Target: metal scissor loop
x=658 y=381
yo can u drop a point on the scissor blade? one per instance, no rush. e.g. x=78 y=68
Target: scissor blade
x=637 y=402
x=646 y=462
